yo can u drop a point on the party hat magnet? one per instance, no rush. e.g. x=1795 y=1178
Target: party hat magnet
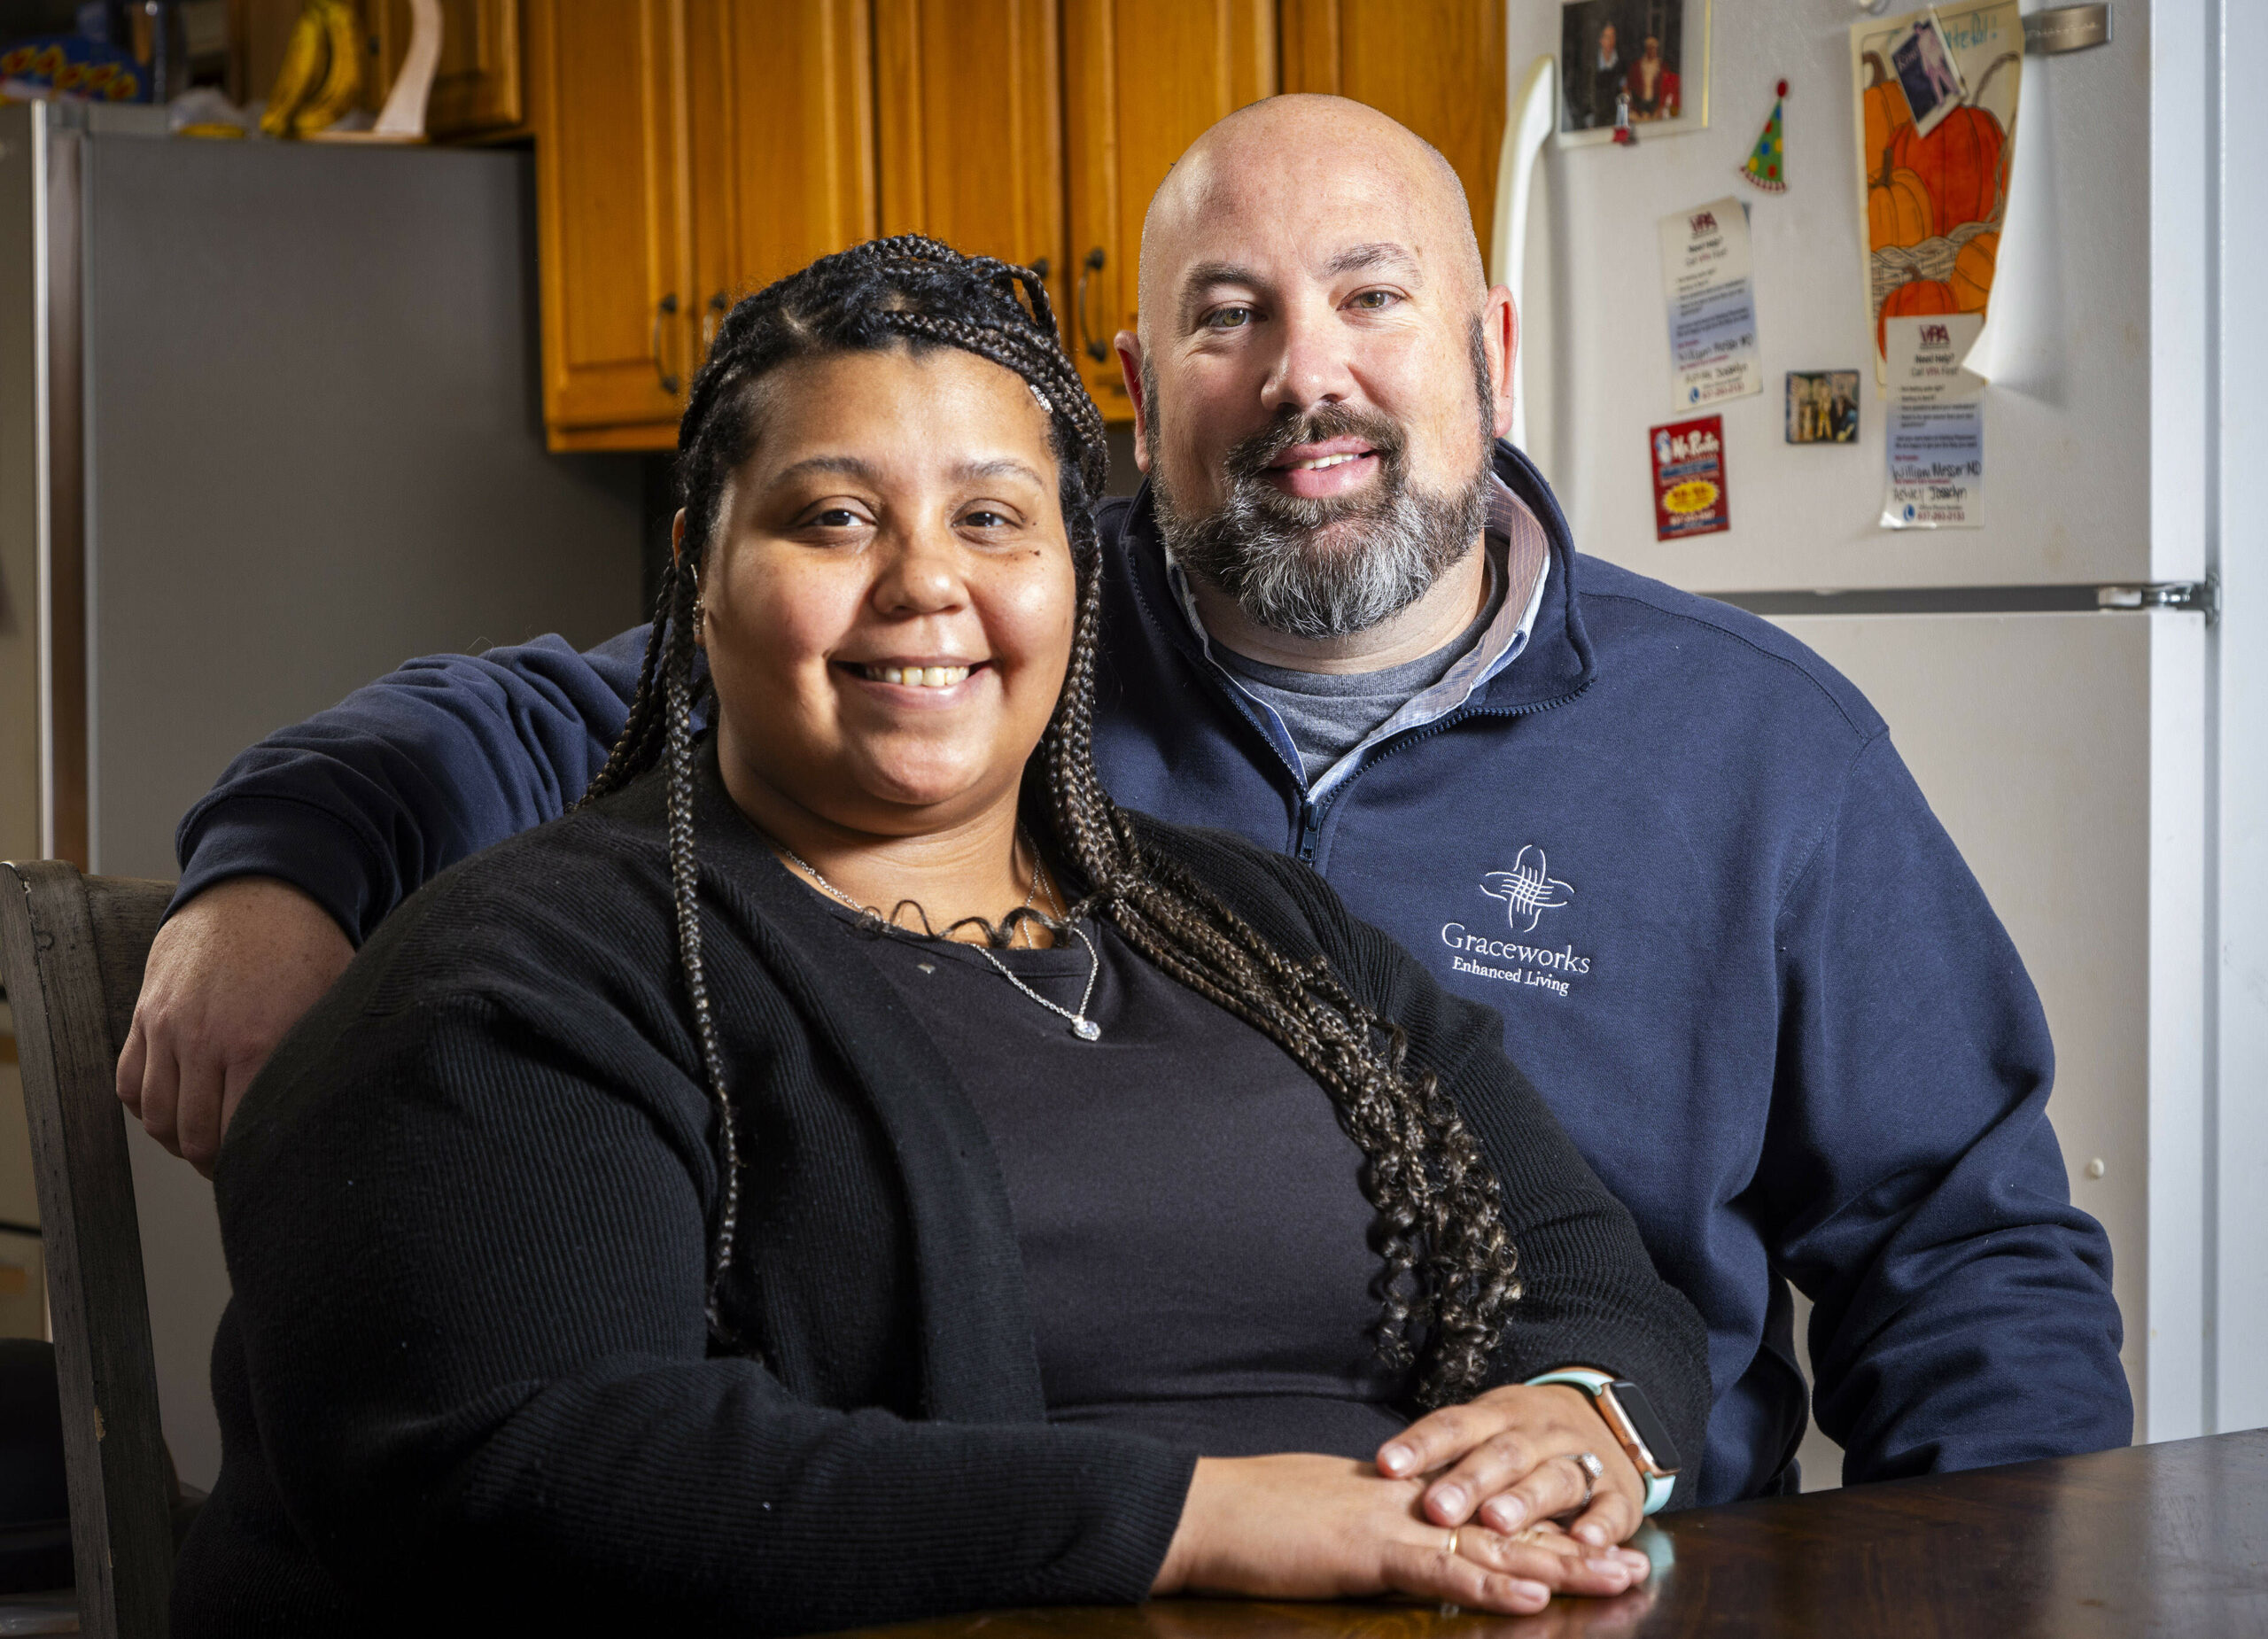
x=1766 y=166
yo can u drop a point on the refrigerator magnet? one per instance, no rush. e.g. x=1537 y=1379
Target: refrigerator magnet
x=1767 y=164
x=1935 y=113
x=1935 y=432
x=1928 y=72
x=1712 y=304
x=1823 y=407
x=1631 y=65
x=1689 y=479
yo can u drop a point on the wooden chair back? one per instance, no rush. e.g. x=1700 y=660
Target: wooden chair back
x=72 y=951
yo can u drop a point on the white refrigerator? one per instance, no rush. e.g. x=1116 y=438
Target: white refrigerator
x=2057 y=679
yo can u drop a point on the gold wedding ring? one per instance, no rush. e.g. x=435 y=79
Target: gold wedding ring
x=1452 y=1548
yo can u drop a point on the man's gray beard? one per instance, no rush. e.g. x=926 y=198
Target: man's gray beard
x=1319 y=567
x=1324 y=567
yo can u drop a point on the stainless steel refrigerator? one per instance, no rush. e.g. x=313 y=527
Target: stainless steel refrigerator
x=2055 y=677
x=268 y=426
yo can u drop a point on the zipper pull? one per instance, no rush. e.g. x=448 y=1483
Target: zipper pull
x=1311 y=826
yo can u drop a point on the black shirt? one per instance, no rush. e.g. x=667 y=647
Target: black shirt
x=469 y=1208
x=1195 y=1240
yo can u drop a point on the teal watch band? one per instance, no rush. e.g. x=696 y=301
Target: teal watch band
x=1596 y=1384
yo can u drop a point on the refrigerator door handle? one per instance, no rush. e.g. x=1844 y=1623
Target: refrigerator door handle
x=2201 y=596
x=1533 y=110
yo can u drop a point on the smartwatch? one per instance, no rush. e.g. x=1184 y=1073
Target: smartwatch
x=1630 y=1415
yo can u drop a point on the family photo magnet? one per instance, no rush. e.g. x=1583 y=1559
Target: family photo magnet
x=1631 y=65
x=1823 y=407
x=1929 y=73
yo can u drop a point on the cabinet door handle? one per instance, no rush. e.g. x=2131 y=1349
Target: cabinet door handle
x=710 y=320
x=1096 y=348
x=664 y=309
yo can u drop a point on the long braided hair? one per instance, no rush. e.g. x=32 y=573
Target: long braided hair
x=1449 y=1262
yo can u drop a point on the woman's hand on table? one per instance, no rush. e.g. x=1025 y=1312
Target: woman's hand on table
x=1503 y=1459
x=1298 y=1526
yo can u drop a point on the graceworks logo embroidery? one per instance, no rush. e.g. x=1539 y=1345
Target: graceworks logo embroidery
x=1528 y=889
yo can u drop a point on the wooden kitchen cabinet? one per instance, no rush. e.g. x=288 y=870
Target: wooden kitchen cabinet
x=689 y=151
x=779 y=139
x=612 y=206
x=1144 y=80
x=969 y=112
x=1437 y=65
x=768 y=130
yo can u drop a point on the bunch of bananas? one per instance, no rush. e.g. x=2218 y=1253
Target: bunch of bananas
x=322 y=73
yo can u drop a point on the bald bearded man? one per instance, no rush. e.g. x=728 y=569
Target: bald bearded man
x=1674 y=849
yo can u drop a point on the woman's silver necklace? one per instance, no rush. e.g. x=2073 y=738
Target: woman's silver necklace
x=1085 y=1029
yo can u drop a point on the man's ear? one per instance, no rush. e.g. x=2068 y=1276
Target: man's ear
x=677 y=536
x=1500 y=329
x=1129 y=365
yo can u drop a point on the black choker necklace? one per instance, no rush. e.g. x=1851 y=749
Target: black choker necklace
x=1085 y=1029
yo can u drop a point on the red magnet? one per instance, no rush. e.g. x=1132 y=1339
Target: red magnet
x=1689 y=479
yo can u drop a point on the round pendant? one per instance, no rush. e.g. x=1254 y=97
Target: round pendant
x=1086 y=1030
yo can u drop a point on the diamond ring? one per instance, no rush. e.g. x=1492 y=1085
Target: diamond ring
x=1592 y=1469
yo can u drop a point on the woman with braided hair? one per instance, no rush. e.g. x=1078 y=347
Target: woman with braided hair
x=849 y=1169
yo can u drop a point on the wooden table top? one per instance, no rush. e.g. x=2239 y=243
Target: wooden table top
x=2167 y=1539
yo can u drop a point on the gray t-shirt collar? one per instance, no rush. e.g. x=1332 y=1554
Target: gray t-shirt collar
x=1519 y=554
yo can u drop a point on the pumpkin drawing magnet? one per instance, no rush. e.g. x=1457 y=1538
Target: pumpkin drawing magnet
x=1688 y=460
x=1936 y=135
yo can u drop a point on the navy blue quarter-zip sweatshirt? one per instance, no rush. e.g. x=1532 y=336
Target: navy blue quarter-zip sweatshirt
x=1674 y=849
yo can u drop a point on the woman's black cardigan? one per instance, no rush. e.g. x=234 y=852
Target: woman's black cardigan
x=465 y=1375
